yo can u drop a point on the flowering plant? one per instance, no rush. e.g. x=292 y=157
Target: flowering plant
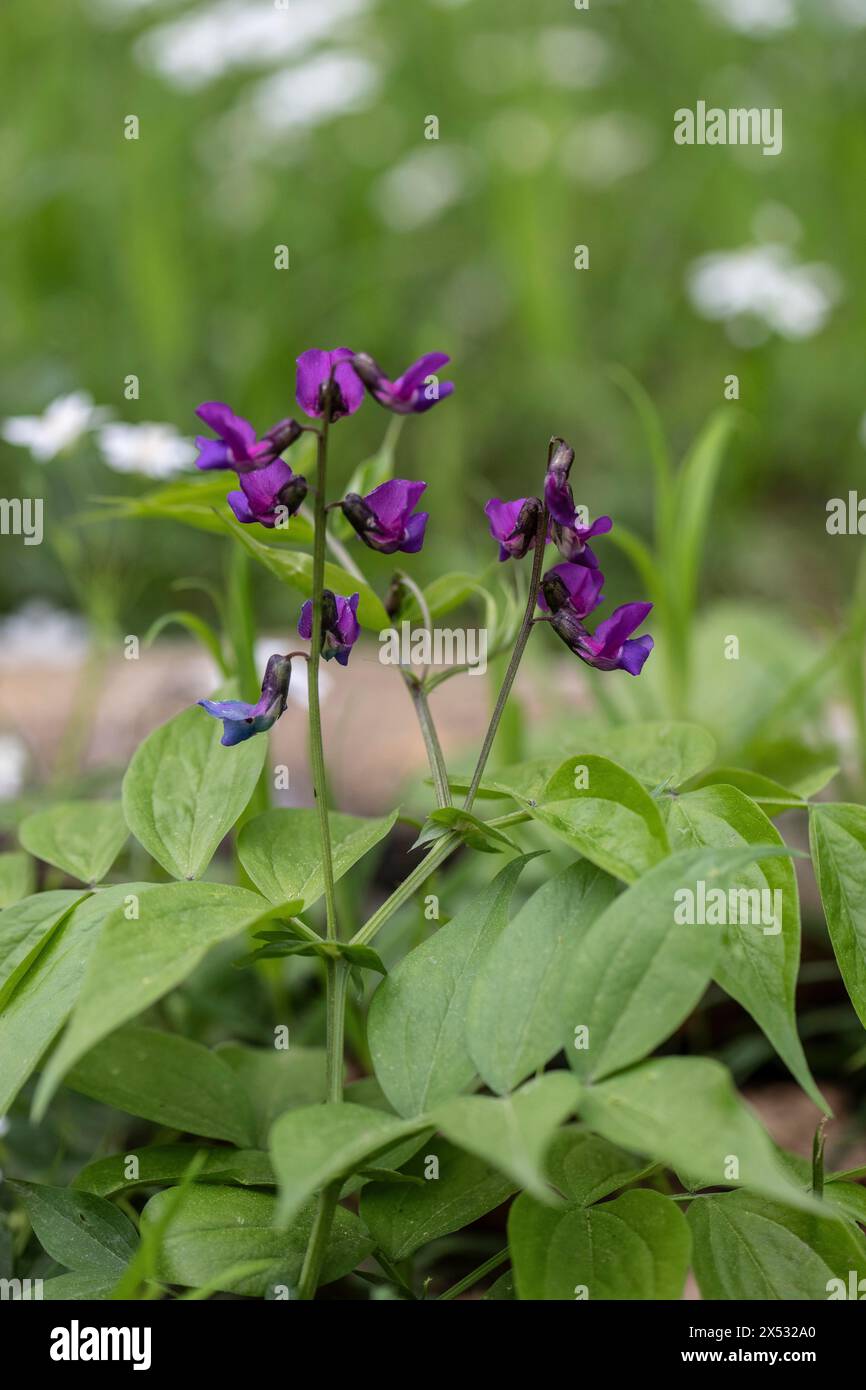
x=510 y=1056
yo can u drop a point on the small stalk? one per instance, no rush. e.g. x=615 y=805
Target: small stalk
x=317 y=752
x=435 y=756
x=471 y=1279
x=516 y=655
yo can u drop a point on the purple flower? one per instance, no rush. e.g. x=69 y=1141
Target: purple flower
x=237 y=446
x=611 y=647
x=315 y=369
x=514 y=525
x=340 y=628
x=557 y=491
x=415 y=391
x=383 y=519
x=240 y=720
x=571 y=541
x=575 y=587
x=269 y=495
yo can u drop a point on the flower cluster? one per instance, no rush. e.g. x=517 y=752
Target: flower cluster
x=331 y=385
x=571 y=590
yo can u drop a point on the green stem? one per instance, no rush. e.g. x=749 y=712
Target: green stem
x=317 y=751
x=435 y=756
x=317 y=1244
x=419 y=875
x=516 y=655
x=336 y=982
x=335 y=972
x=489 y=1265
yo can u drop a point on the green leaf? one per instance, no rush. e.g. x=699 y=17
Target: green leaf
x=656 y=752
x=512 y=1132
x=684 y=1112
x=771 y=796
x=416 y=1023
x=450 y=1194
x=215 y=1228
x=320 y=1143
x=584 y=1167
x=43 y=997
x=167 y=1079
x=163 y=1165
x=476 y=833
x=84 y=1288
x=17 y=877
x=838 y=838
x=183 y=791
x=520 y=1004
x=605 y=814
x=295 y=568
x=87 y=1234
x=199 y=502
x=635 y=1247
x=281 y=851
x=83 y=838
x=275 y=1081
x=849 y=1197
x=134 y=964
x=442 y=596
x=759 y=962
x=748 y=1248
x=638 y=972
x=25 y=928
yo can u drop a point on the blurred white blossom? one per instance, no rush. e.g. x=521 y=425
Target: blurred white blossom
x=767 y=284
x=38 y=634
x=574 y=57
x=155 y=450
x=758 y=17
x=603 y=149
x=63 y=423
x=213 y=39
x=420 y=187
x=13 y=764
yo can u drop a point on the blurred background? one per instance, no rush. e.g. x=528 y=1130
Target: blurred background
x=157 y=154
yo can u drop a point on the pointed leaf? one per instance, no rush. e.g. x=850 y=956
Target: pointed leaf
x=281 y=850
x=83 y=838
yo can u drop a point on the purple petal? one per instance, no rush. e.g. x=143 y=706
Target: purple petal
x=392 y=501
x=213 y=453
x=415 y=376
x=599 y=527
x=262 y=486
x=415 y=533
x=610 y=634
x=305 y=622
x=237 y=432
x=422 y=403
x=350 y=384
x=584 y=587
x=634 y=654
x=228 y=709
x=348 y=627
x=241 y=507
x=313 y=369
x=503 y=516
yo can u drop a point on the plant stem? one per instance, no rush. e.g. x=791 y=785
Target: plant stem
x=315 y=1252
x=489 y=1265
x=336 y=981
x=432 y=859
x=435 y=756
x=335 y=972
x=317 y=752
x=516 y=655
